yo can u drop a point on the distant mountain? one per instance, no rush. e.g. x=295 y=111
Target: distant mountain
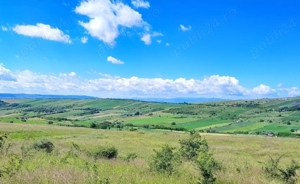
x=179 y=100
x=166 y=100
x=37 y=96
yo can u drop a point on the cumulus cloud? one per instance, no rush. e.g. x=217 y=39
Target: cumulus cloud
x=263 y=90
x=43 y=31
x=291 y=92
x=147 y=37
x=30 y=82
x=5 y=74
x=116 y=87
x=183 y=28
x=114 y=60
x=140 y=4
x=106 y=18
x=84 y=39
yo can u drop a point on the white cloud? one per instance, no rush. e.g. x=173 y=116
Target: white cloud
x=107 y=17
x=114 y=60
x=279 y=85
x=84 y=39
x=116 y=87
x=108 y=76
x=291 y=92
x=263 y=90
x=158 y=41
x=71 y=74
x=5 y=74
x=167 y=44
x=140 y=4
x=43 y=31
x=147 y=37
x=4 y=28
x=183 y=28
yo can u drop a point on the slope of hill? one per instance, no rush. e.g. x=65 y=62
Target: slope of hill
x=38 y=96
x=264 y=116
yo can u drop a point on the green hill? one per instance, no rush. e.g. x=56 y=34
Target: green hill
x=263 y=116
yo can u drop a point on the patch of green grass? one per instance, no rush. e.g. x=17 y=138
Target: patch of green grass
x=163 y=120
x=200 y=124
x=275 y=127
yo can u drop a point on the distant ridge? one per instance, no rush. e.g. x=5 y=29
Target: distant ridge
x=38 y=96
x=180 y=100
x=163 y=100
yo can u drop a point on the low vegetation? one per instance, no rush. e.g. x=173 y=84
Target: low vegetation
x=126 y=141
x=270 y=117
x=85 y=155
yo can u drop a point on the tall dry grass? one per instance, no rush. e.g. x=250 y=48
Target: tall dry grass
x=240 y=155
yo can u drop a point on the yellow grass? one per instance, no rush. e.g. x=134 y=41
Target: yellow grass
x=240 y=156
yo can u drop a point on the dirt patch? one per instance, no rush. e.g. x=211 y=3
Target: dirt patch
x=103 y=115
x=7 y=115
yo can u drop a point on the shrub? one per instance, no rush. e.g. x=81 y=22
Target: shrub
x=190 y=148
x=132 y=129
x=50 y=122
x=44 y=145
x=207 y=166
x=196 y=149
x=106 y=152
x=12 y=167
x=93 y=125
x=288 y=174
x=3 y=146
x=164 y=160
x=146 y=126
x=2 y=140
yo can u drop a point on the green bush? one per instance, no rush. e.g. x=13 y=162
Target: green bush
x=12 y=167
x=288 y=174
x=164 y=160
x=207 y=166
x=44 y=145
x=191 y=147
x=196 y=149
x=3 y=145
x=106 y=152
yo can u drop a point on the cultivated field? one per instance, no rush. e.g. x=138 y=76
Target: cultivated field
x=277 y=116
x=78 y=129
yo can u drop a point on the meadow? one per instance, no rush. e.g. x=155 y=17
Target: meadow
x=241 y=156
x=280 y=117
x=237 y=132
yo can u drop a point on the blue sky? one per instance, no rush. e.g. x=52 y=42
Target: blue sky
x=137 y=48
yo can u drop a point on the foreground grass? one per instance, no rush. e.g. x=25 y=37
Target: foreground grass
x=240 y=156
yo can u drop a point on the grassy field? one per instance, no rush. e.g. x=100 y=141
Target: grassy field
x=261 y=116
x=240 y=155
